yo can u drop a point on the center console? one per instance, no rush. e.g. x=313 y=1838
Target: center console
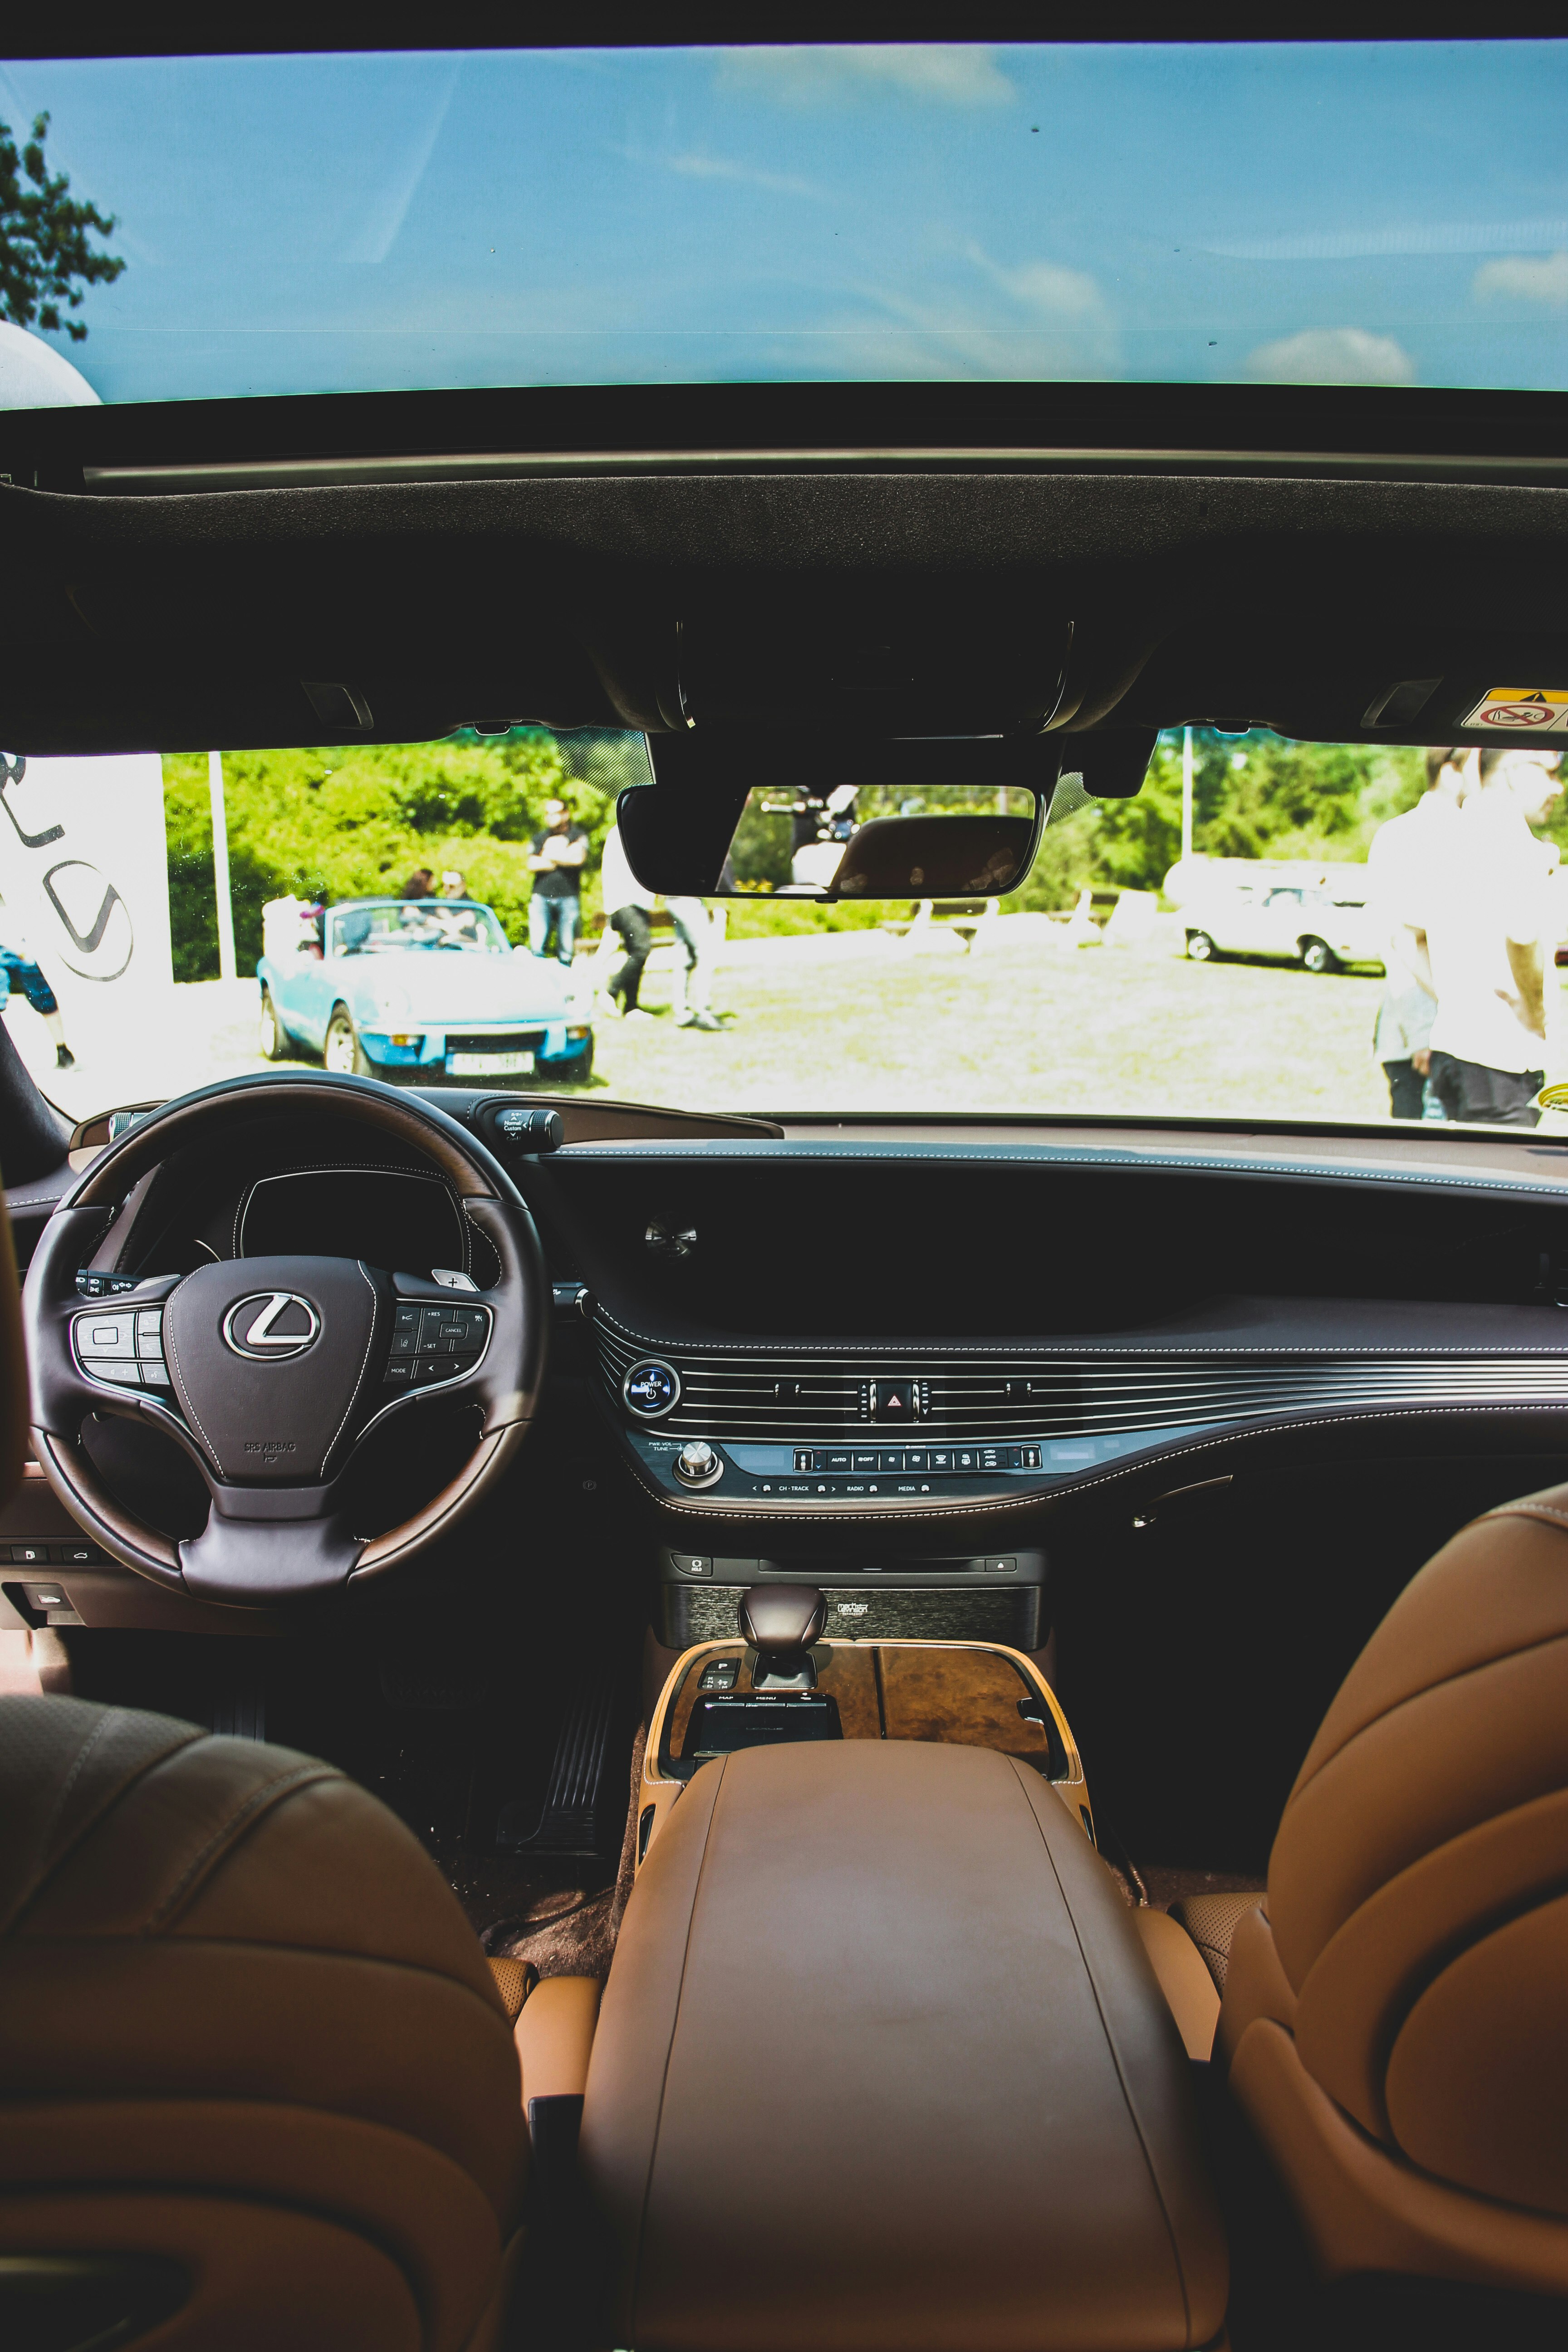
x=778 y=1679
x=882 y=2062
x=873 y=1595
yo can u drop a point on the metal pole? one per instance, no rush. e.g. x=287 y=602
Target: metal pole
x=1186 y=792
x=227 y=966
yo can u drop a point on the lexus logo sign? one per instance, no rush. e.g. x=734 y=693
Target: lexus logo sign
x=272 y=1326
x=94 y=917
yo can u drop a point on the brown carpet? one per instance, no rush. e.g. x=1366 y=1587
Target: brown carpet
x=1164 y=1885
x=565 y=1934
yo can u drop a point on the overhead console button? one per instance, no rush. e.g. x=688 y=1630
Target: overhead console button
x=651 y=1389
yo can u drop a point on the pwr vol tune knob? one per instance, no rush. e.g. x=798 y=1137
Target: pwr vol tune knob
x=697 y=1464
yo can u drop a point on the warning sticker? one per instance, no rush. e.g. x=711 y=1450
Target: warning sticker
x=1522 y=710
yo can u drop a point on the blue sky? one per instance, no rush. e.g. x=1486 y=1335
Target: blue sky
x=1382 y=213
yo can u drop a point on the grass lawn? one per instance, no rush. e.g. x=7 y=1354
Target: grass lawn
x=1026 y=1027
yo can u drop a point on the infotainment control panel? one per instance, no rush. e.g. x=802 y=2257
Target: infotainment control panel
x=777 y=1434
x=739 y=1471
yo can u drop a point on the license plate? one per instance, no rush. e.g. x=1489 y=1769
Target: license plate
x=489 y=1065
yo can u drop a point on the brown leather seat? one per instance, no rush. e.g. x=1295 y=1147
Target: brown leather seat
x=245 y=2027
x=1396 y=2018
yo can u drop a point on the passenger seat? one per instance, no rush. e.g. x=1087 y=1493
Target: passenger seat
x=1393 y=2020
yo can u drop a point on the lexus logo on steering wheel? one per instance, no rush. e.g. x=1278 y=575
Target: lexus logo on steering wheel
x=270 y=1325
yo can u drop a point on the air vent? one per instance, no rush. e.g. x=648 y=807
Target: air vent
x=761 y=1396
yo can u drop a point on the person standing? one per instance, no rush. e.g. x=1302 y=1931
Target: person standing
x=555 y=861
x=1492 y=921
x=20 y=970
x=698 y=931
x=1400 y=853
x=627 y=907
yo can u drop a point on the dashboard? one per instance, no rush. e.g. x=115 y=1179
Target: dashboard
x=903 y=1350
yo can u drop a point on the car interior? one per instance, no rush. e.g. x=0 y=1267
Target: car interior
x=720 y=1731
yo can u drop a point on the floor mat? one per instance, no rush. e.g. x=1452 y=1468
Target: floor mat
x=448 y=1735
x=577 y=1939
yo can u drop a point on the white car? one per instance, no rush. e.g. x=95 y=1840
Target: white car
x=1288 y=922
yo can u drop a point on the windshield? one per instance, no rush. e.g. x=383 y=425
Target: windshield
x=1382 y=213
x=1268 y=930
x=427 y=926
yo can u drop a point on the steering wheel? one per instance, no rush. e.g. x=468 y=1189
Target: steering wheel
x=270 y=1372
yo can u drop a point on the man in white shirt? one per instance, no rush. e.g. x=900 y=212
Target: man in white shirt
x=1401 y=853
x=1493 y=918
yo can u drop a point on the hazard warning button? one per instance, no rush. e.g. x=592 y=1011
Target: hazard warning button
x=898 y=1399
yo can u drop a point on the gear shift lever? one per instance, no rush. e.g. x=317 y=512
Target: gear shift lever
x=781 y=1622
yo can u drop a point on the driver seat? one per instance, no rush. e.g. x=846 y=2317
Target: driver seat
x=260 y=2085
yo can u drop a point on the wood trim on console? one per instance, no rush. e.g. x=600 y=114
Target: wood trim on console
x=925 y=1705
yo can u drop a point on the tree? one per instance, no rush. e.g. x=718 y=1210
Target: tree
x=354 y=822
x=1254 y=796
x=43 y=239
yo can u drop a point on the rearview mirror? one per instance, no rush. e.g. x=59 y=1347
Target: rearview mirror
x=924 y=819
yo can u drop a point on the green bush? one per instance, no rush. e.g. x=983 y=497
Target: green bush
x=355 y=821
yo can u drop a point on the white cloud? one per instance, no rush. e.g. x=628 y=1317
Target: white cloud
x=1331 y=355
x=944 y=73
x=1053 y=326
x=1045 y=287
x=718 y=167
x=1523 y=277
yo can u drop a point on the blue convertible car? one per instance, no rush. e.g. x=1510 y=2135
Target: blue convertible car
x=415 y=992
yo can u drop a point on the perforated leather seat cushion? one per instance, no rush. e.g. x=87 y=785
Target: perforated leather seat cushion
x=1210 y=1920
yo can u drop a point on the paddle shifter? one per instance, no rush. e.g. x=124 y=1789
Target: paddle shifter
x=781 y=1622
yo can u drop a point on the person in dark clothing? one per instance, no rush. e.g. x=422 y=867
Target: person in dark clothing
x=555 y=861
x=628 y=905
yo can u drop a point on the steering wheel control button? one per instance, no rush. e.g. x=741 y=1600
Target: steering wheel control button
x=436 y=1343
x=651 y=1389
x=272 y=1326
x=105 y=1334
x=697 y=1464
